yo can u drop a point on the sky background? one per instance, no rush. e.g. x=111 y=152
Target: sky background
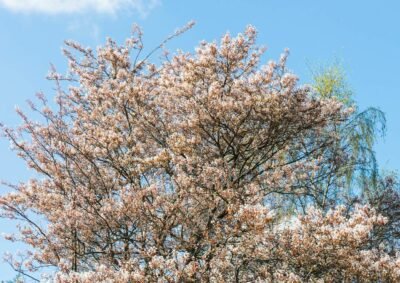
x=363 y=34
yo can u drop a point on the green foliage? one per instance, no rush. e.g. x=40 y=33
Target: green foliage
x=352 y=171
x=358 y=135
x=361 y=134
x=330 y=82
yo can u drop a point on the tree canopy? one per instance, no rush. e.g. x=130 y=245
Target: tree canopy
x=207 y=167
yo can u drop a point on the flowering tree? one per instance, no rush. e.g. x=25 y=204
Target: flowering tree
x=165 y=173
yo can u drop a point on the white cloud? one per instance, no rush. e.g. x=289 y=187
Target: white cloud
x=78 y=6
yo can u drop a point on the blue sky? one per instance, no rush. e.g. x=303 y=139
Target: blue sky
x=363 y=35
